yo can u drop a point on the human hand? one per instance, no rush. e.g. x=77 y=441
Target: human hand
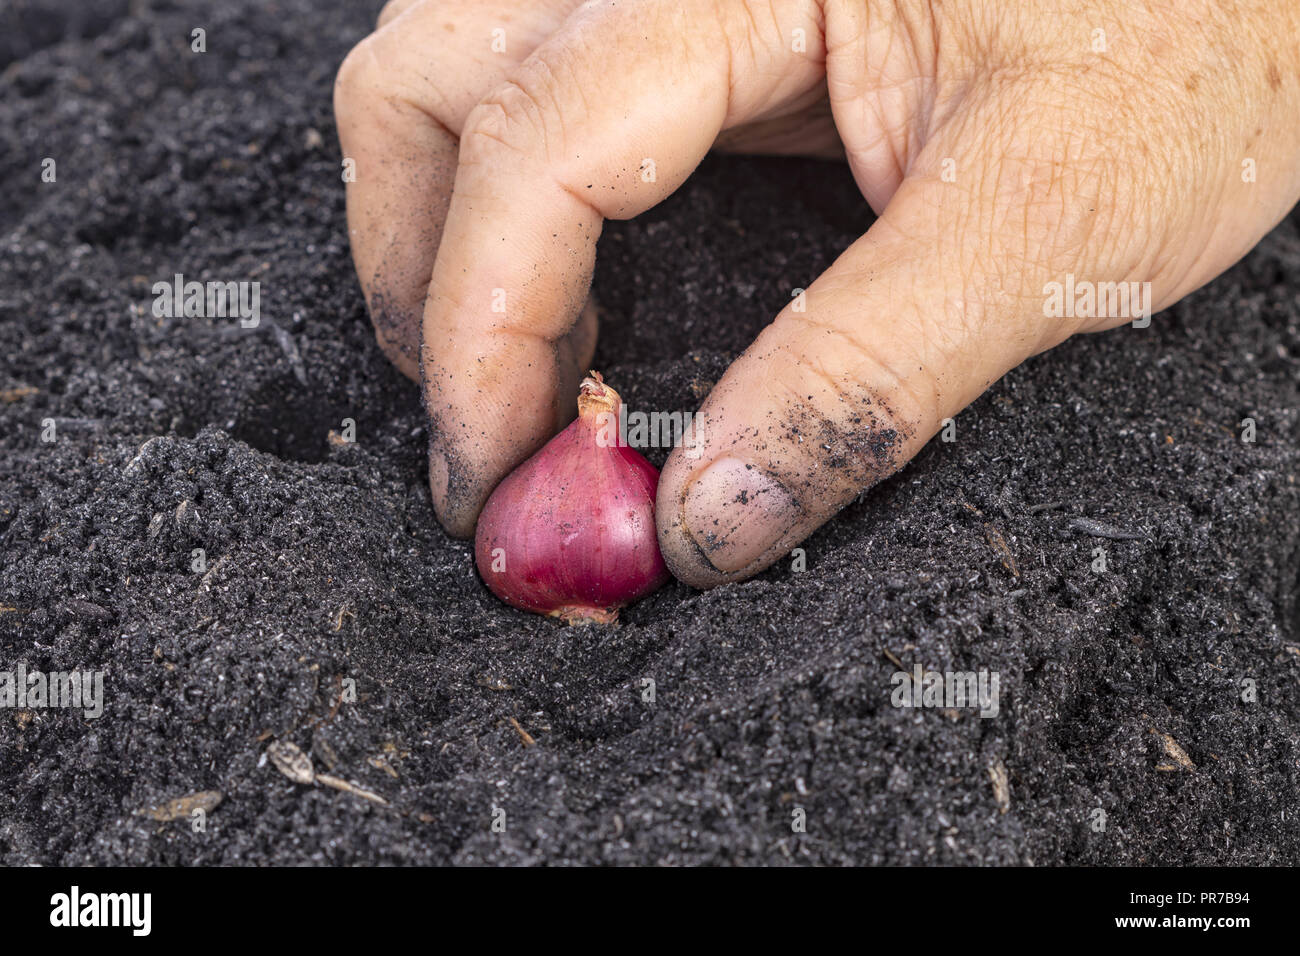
x=1004 y=146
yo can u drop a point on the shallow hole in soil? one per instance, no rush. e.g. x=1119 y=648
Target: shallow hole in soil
x=283 y=419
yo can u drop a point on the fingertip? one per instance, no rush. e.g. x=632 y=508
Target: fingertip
x=718 y=520
x=781 y=450
x=459 y=484
x=451 y=519
x=489 y=410
x=725 y=522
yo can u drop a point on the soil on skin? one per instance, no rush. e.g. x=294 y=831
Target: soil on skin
x=326 y=571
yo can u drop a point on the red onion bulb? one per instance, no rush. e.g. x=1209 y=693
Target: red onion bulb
x=571 y=531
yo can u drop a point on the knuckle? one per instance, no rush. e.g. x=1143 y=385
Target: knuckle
x=377 y=83
x=357 y=74
x=391 y=11
x=862 y=405
x=834 y=349
x=843 y=358
x=509 y=119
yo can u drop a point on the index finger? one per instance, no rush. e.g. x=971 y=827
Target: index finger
x=604 y=120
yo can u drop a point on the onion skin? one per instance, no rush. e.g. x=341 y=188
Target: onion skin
x=571 y=532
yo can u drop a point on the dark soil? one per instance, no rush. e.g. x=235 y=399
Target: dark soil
x=325 y=564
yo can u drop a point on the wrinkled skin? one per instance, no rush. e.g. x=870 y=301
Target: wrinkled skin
x=1004 y=146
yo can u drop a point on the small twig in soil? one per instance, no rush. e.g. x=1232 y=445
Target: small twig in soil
x=338 y=783
x=999 y=544
x=524 y=735
x=1001 y=785
x=182 y=807
x=338 y=701
x=290 y=350
x=1179 y=756
x=289 y=759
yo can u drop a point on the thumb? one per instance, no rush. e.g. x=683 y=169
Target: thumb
x=917 y=318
